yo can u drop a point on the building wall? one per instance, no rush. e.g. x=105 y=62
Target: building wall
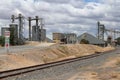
x=71 y=38
x=67 y=38
x=57 y=37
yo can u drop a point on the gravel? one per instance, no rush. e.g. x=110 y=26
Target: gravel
x=64 y=72
x=14 y=49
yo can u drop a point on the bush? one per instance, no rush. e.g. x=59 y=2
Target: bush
x=2 y=40
x=83 y=41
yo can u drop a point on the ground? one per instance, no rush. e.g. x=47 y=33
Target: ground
x=109 y=70
x=49 y=53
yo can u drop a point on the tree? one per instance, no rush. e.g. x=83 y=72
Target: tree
x=2 y=40
x=118 y=40
x=84 y=41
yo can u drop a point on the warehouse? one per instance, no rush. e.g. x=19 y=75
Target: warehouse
x=92 y=40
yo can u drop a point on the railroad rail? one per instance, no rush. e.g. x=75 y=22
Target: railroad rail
x=16 y=72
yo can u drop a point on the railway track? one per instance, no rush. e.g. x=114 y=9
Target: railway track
x=17 y=72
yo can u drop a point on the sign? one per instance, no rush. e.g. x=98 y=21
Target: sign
x=7 y=40
x=7 y=33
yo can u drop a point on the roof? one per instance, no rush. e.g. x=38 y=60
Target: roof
x=90 y=38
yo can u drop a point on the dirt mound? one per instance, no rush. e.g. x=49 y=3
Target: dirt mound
x=35 y=43
x=32 y=43
x=108 y=48
x=46 y=55
x=76 y=50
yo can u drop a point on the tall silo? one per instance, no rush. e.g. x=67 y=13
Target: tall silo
x=34 y=33
x=14 y=33
x=42 y=34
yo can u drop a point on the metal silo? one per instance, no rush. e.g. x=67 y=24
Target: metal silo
x=14 y=32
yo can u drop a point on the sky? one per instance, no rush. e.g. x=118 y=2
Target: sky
x=65 y=16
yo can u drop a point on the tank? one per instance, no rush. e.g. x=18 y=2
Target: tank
x=42 y=35
x=14 y=33
x=34 y=34
x=38 y=34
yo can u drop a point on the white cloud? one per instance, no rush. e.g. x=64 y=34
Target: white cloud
x=65 y=15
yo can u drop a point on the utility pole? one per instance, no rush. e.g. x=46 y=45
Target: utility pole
x=98 y=29
x=29 y=20
x=103 y=32
x=114 y=34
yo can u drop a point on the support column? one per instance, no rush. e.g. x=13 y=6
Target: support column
x=98 y=29
x=29 y=19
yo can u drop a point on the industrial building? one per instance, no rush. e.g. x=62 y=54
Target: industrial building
x=36 y=32
x=67 y=38
x=92 y=40
x=17 y=29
